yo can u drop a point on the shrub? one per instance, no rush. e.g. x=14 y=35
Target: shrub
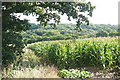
x=74 y=73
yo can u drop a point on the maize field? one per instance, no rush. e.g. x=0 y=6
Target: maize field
x=100 y=52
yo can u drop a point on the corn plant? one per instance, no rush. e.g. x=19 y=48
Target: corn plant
x=100 y=52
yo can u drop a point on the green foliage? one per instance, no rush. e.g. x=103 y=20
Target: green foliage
x=65 y=31
x=114 y=34
x=12 y=42
x=102 y=33
x=75 y=53
x=74 y=73
x=28 y=60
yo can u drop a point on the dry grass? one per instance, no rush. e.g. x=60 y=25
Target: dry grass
x=51 y=72
x=26 y=71
x=37 y=72
x=103 y=75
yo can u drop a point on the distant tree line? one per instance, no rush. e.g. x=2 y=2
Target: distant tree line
x=38 y=32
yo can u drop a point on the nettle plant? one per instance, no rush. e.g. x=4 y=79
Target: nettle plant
x=74 y=73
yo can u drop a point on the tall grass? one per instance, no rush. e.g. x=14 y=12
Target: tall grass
x=102 y=52
x=36 y=72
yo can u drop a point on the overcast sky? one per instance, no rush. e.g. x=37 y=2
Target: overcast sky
x=106 y=12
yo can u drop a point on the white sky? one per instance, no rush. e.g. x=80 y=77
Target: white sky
x=106 y=12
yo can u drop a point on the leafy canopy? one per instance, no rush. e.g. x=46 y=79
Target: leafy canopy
x=12 y=26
